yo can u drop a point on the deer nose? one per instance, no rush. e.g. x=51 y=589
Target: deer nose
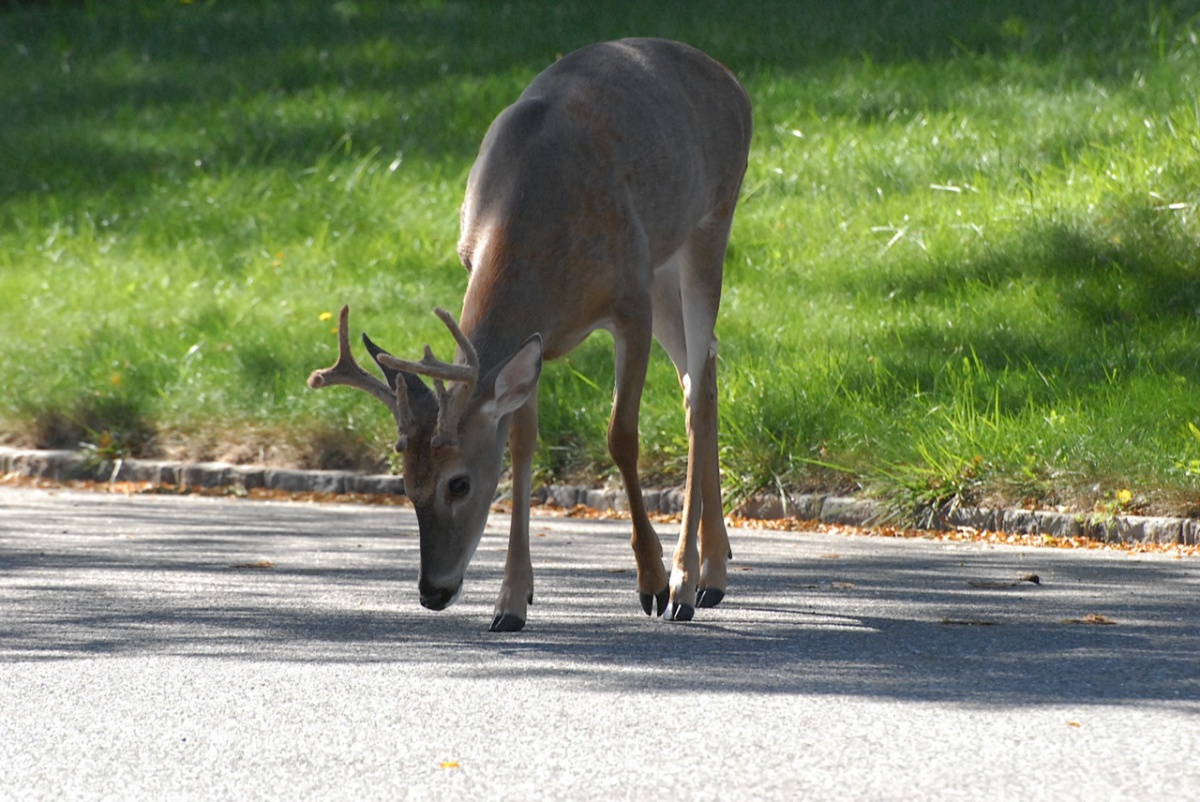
x=437 y=598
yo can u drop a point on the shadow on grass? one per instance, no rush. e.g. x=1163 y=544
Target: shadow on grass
x=86 y=576
x=1086 y=304
x=115 y=94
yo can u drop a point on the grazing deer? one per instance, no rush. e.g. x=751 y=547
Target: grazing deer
x=601 y=199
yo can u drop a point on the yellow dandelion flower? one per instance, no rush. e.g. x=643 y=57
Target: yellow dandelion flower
x=325 y=316
x=1124 y=497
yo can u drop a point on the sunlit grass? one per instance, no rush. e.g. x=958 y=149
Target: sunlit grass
x=965 y=264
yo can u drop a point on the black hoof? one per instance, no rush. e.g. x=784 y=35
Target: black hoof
x=507 y=622
x=682 y=612
x=649 y=599
x=709 y=597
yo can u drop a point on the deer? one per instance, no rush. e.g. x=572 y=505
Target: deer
x=601 y=199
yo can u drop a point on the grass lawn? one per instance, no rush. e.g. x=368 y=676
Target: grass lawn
x=965 y=265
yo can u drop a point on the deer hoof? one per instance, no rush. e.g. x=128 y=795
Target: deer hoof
x=679 y=612
x=709 y=597
x=507 y=622
x=650 y=600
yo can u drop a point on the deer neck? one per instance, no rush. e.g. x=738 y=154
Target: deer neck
x=505 y=302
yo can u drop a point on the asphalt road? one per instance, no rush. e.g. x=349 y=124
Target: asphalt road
x=158 y=647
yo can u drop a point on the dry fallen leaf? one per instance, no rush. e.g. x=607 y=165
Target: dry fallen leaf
x=1004 y=583
x=1094 y=618
x=259 y=566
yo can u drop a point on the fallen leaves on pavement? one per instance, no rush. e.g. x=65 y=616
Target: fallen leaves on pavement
x=1032 y=579
x=1094 y=619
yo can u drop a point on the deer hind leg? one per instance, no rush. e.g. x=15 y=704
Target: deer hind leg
x=686 y=297
x=516 y=589
x=714 y=539
x=632 y=354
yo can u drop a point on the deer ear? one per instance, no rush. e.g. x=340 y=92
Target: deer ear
x=418 y=397
x=375 y=351
x=516 y=380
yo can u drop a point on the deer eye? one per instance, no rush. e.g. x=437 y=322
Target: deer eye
x=459 y=486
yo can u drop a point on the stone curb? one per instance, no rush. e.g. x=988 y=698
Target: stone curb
x=1107 y=529
x=74 y=465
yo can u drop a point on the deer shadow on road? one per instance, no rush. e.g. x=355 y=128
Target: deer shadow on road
x=88 y=576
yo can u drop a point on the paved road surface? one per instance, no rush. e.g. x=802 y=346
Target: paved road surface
x=189 y=648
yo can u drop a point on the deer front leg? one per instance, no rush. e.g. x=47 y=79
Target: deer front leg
x=516 y=590
x=685 y=566
x=632 y=357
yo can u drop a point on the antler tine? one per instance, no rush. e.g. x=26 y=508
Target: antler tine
x=463 y=343
x=346 y=372
x=430 y=366
x=451 y=404
x=405 y=422
x=434 y=368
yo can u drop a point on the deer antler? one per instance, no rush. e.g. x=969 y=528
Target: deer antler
x=346 y=372
x=451 y=405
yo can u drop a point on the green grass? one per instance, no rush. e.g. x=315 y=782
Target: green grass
x=965 y=266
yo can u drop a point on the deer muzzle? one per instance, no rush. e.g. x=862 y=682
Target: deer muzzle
x=435 y=596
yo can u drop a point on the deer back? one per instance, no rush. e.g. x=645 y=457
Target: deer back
x=591 y=179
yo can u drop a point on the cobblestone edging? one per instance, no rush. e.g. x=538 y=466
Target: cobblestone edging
x=73 y=465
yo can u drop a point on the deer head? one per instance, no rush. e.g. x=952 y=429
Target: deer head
x=452 y=440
